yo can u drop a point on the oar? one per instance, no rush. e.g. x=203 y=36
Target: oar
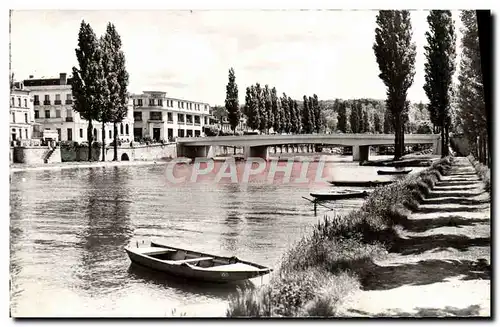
x=316 y=202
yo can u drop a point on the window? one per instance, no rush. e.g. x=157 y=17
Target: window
x=160 y=102
x=182 y=105
x=36 y=100
x=58 y=113
x=70 y=134
x=59 y=134
x=37 y=114
x=26 y=118
x=81 y=133
x=151 y=102
x=126 y=129
x=47 y=113
x=139 y=102
x=58 y=99
x=180 y=118
x=110 y=134
x=26 y=103
x=26 y=133
x=205 y=120
x=190 y=106
x=121 y=128
x=155 y=115
x=69 y=99
x=47 y=99
x=169 y=117
x=18 y=102
x=137 y=115
x=178 y=104
x=12 y=101
x=13 y=117
x=197 y=120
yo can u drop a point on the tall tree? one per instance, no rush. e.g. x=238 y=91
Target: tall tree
x=276 y=109
x=395 y=53
x=286 y=114
x=88 y=82
x=377 y=126
x=268 y=108
x=366 y=122
x=294 y=127
x=251 y=109
x=232 y=104
x=298 y=123
x=355 y=118
x=470 y=96
x=318 y=118
x=116 y=75
x=261 y=108
x=307 y=124
x=342 y=117
x=439 y=69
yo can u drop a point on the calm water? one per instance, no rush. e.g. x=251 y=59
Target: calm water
x=69 y=228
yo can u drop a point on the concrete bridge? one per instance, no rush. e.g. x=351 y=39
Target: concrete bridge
x=257 y=145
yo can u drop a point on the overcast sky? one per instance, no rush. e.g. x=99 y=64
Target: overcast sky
x=188 y=54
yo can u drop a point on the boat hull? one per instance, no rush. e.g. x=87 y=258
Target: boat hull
x=327 y=196
x=360 y=183
x=188 y=271
x=384 y=172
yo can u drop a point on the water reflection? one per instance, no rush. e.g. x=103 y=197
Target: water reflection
x=188 y=287
x=107 y=229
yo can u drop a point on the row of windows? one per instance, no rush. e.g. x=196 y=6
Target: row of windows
x=19 y=101
x=157 y=115
x=15 y=135
x=69 y=114
x=170 y=103
x=25 y=117
x=47 y=101
x=69 y=133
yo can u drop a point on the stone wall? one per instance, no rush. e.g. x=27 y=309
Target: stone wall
x=154 y=152
x=125 y=152
x=35 y=155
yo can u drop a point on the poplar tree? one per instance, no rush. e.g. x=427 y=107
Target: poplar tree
x=395 y=53
x=268 y=107
x=439 y=69
x=277 y=114
x=253 y=117
x=342 y=117
x=88 y=83
x=232 y=104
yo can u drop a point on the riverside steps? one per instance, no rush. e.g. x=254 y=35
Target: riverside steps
x=440 y=264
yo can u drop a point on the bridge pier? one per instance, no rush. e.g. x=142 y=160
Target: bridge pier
x=256 y=152
x=437 y=147
x=192 y=152
x=360 y=152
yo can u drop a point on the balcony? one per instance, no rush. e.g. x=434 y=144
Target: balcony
x=46 y=102
x=36 y=103
x=69 y=119
x=181 y=122
x=189 y=123
x=170 y=121
x=197 y=124
x=137 y=118
x=69 y=102
x=57 y=102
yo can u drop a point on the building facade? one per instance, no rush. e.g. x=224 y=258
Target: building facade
x=53 y=110
x=159 y=117
x=22 y=116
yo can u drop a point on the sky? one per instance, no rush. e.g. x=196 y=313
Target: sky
x=188 y=53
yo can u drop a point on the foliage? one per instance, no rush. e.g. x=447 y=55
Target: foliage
x=395 y=53
x=277 y=111
x=232 y=105
x=439 y=70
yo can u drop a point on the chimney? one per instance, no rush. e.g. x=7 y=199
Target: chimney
x=62 y=79
x=31 y=76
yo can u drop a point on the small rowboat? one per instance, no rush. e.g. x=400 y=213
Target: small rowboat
x=394 y=172
x=194 y=265
x=360 y=183
x=338 y=196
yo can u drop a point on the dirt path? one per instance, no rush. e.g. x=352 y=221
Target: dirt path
x=441 y=264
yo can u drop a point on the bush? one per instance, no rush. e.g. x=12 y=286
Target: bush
x=483 y=172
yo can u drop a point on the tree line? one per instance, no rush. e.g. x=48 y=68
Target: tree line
x=266 y=110
x=99 y=83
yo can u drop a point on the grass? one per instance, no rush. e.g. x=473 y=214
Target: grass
x=483 y=172
x=321 y=269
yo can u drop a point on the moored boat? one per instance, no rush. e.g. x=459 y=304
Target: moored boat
x=394 y=172
x=360 y=183
x=339 y=196
x=194 y=265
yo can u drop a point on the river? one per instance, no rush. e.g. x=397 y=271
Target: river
x=69 y=228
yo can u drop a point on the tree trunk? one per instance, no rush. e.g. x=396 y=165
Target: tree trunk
x=397 y=140
x=90 y=138
x=103 y=141
x=443 y=145
x=402 y=140
x=115 y=145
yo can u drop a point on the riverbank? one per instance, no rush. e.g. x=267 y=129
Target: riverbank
x=339 y=270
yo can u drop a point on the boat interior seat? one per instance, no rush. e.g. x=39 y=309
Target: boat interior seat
x=195 y=260
x=179 y=255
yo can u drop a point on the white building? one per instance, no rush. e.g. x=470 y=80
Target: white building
x=164 y=118
x=53 y=110
x=21 y=113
